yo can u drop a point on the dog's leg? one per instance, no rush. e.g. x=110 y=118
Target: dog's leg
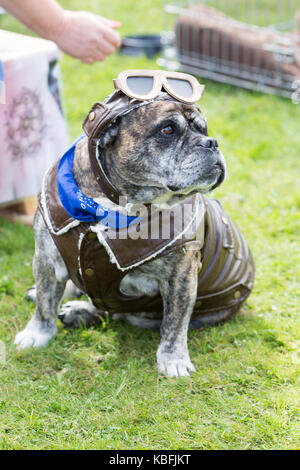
x=50 y=276
x=179 y=291
x=71 y=291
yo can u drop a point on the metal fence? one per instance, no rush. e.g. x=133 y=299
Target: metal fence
x=250 y=43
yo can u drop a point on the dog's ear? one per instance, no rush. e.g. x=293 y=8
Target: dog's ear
x=108 y=137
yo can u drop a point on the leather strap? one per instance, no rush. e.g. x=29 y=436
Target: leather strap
x=105 y=184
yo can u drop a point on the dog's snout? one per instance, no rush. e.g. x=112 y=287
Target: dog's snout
x=208 y=142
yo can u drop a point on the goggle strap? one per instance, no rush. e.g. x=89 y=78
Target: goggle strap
x=116 y=83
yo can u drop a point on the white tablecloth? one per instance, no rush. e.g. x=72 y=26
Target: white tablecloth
x=33 y=130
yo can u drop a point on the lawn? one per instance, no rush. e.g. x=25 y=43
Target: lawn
x=99 y=388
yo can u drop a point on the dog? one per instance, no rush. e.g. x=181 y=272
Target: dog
x=158 y=154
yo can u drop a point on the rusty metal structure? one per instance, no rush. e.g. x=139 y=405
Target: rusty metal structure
x=253 y=44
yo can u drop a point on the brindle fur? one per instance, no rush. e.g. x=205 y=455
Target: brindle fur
x=146 y=166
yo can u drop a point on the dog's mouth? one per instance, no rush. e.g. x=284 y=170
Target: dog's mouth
x=215 y=179
x=220 y=178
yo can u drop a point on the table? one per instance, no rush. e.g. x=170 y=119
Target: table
x=33 y=132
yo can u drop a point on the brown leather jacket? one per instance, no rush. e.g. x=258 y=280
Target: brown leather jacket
x=225 y=279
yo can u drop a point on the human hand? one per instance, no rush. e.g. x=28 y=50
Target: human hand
x=86 y=36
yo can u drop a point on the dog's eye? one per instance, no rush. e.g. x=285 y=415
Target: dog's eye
x=168 y=130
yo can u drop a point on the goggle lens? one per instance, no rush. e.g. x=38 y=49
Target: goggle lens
x=140 y=85
x=181 y=87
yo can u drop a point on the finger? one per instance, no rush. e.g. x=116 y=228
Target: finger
x=99 y=56
x=105 y=47
x=96 y=57
x=112 y=36
x=110 y=23
x=116 y=24
x=87 y=60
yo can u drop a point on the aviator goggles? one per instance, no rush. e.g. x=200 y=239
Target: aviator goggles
x=147 y=84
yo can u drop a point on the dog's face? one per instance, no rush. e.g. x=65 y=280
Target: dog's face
x=161 y=151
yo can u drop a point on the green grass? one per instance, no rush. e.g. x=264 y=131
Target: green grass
x=98 y=388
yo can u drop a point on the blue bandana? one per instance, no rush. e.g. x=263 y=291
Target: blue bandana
x=78 y=205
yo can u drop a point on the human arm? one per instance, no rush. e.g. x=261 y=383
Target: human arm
x=81 y=34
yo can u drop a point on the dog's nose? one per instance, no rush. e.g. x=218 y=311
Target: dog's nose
x=208 y=143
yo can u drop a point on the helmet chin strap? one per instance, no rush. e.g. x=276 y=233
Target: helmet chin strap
x=104 y=182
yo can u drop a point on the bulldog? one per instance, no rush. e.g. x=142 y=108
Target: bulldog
x=154 y=153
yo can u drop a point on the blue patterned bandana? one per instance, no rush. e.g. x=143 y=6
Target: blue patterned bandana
x=78 y=205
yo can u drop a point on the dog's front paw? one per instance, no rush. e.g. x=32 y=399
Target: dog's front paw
x=36 y=334
x=78 y=313
x=174 y=365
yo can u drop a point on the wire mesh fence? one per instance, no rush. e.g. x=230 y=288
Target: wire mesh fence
x=250 y=43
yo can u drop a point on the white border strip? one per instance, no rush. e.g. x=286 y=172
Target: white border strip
x=72 y=224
